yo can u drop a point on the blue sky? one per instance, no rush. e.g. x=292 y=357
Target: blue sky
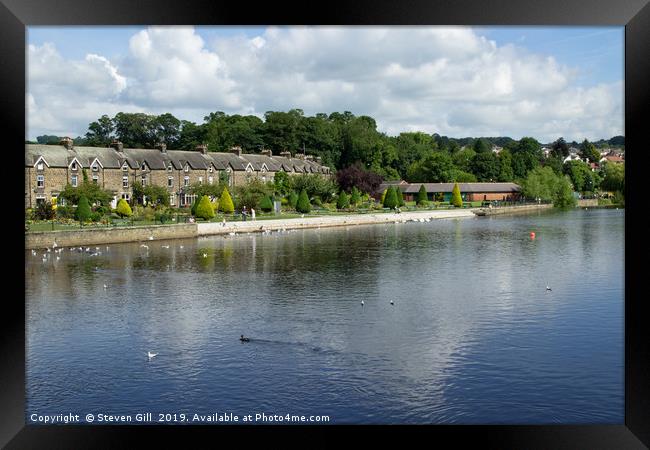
x=449 y=80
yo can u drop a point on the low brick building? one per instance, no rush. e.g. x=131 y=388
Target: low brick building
x=48 y=168
x=470 y=192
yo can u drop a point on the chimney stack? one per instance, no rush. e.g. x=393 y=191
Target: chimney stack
x=203 y=148
x=117 y=145
x=309 y=157
x=162 y=147
x=66 y=142
x=236 y=150
x=267 y=152
x=286 y=154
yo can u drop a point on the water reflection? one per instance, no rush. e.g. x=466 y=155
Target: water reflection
x=472 y=336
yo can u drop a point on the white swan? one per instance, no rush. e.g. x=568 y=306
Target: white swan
x=151 y=355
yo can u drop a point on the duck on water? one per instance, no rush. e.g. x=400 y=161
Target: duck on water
x=244 y=339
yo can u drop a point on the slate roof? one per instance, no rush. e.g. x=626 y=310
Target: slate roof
x=413 y=188
x=60 y=156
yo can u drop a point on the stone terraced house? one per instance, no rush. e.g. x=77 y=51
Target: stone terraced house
x=48 y=168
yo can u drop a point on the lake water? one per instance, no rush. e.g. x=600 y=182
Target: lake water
x=473 y=335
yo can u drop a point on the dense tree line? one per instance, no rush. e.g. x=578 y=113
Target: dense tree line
x=353 y=146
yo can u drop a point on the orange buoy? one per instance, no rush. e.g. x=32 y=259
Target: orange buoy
x=532 y=235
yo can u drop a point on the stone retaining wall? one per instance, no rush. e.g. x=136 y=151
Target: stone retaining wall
x=510 y=209
x=43 y=239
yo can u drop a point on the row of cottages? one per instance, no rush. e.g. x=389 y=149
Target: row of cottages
x=48 y=168
x=470 y=192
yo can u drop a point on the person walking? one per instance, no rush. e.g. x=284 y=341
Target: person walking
x=243 y=213
x=252 y=214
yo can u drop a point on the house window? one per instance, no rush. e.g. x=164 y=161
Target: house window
x=200 y=180
x=264 y=178
x=125 y=167
x=143 y=180
x=74 y=180
x=186 y=181
x=210 y=180
x=144 y=166
x=125 y=182
x=187 y=168
x=74 y=166
x=95 y=168
x=40 y=181
x=170 y=181
x=172 y=200
x=39 y=166
x=95 y=179
x=210 y=169
x=169 y=168
x=126 y=197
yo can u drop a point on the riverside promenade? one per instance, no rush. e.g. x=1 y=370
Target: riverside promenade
x=87 y=237
x=207 y=229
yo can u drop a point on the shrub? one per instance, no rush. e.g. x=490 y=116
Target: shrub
x=96 y=216
x=400 y=197
x=390 y=200
x=83 y=209
x=266 y=204
x=204 y=208
x=293 y=199
x=422 y=196
x=456 y=198
x=225 y=202
x=65 y=212
x=43 y=211
x=195 y=204
x=343 y=201
x=303 y=204
x=162 y=216
x=383 y=196
x=123 y=209
x=355 y=196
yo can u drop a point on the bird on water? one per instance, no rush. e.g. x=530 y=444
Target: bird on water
x=151 y=355
x=244 y=339
x=548 y=288
x=362 y=303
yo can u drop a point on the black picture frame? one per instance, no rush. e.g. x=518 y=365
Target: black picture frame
x=15 y=15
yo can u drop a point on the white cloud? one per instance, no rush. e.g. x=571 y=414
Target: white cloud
x=448 y=80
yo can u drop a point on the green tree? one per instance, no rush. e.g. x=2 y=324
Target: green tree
x=505 y=166
x=456 y=198
x=391 y=201
x=560 y=149
x=481 y=146
x=435 y=168
x=293 y=199
x=580 y=175
x=383 y=196
x=266 y=204
x=100 y=133
x=422 y=196
x=462 y=159
x=123 y=209
x=588 y=151
x=400 y=197
x=614 y=177
x=303 y=205
x=486 y=166
x=195 y=204
x=282 y=183
x=83 y=209
x=343 y=200
x=225 y=202
x=204 y=209
x=563 y=195
x=355 y=196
